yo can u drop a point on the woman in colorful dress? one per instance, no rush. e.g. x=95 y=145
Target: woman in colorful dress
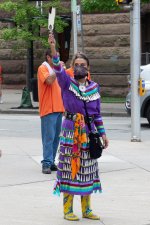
x=77 y=173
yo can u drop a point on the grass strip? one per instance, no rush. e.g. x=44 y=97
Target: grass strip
x=113 y=99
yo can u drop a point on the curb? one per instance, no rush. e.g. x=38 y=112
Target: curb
x=23 y=111
x=114 y=114
x=36 y=112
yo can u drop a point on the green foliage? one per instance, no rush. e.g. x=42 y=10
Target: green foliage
x=102 y=5
x=56 y=4
x=99 y=5
x=145 y=1
x=27 y=19
x=59 y=25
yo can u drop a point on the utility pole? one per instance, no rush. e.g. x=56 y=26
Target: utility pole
x=74 y=25
x=135 y=63
x=135 y=72
x=80 y=25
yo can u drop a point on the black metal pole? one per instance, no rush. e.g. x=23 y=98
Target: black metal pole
x=30 y=65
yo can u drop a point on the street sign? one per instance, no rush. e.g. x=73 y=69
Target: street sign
x=78 y=18
x=74 y=25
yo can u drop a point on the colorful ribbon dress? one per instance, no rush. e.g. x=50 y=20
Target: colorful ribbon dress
x=77 y=173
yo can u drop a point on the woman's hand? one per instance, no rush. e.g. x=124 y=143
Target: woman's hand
x=52 y=43
x=105 y=141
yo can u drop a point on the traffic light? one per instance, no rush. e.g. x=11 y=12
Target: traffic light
x=141 y=87
x=123 y=2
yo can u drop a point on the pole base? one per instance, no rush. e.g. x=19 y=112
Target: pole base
x=135 y=139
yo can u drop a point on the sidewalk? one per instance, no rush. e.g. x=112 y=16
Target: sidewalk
x=12 y=99
x=26 y=195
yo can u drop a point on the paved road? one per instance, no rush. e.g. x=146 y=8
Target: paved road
x=29 y=125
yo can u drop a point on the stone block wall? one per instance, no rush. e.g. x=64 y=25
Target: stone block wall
x=106 y=43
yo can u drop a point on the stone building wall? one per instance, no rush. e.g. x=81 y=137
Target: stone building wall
x=106 y=43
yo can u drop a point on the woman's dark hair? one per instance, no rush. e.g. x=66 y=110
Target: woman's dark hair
x=79 y=55
x=48 y=53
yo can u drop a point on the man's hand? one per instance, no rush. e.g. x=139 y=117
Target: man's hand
x=52 y=43
x=51 y=40
x=50 y=79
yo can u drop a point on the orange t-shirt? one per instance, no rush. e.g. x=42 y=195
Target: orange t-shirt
x=50 y=99
x=71 y=73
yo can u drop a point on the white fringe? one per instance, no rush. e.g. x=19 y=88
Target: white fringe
x=85 y=98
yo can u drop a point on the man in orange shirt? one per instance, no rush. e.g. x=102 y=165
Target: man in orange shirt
x=51 y=110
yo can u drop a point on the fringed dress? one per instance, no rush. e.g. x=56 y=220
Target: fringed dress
x=86 y=179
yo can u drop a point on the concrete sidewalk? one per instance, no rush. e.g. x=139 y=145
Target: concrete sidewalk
x=26 y=195
x=12 y=99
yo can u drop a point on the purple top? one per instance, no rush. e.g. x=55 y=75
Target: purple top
x=72 y=99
